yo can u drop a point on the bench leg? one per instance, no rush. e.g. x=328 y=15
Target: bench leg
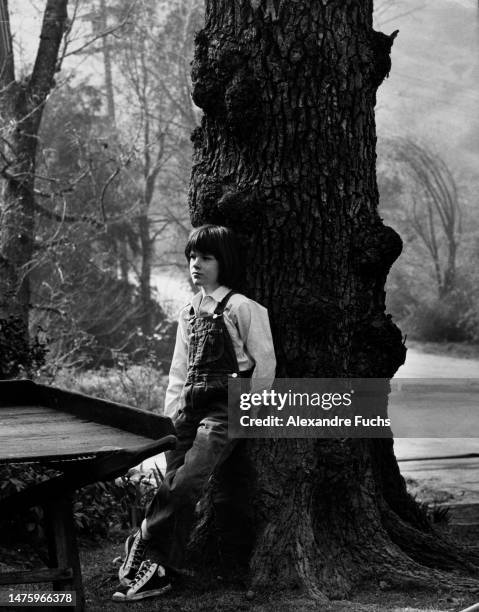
x=62 y=546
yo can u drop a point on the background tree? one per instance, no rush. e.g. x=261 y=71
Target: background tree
x=431 y=288
x=435 y=214
x=21 y=106
x=111 y=164
x=286 y=155
x=147 y=80
x=79 y=294
x=158 y=115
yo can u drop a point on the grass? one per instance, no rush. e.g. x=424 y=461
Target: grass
x=100 y=566
x=100 y=579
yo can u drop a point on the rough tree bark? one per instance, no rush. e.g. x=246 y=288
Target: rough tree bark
x=21 y=108
x=286 y=156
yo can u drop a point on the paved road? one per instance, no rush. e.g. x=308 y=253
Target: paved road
x=459 y=476
x=422 y=365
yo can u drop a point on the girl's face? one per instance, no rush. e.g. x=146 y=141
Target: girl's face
x=204 y=270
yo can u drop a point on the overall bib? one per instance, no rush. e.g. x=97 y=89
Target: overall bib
x=202 y=432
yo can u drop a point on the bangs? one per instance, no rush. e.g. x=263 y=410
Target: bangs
x=222 y=243
x=204 y=239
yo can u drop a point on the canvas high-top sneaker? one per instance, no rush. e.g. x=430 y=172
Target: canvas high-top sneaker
x=150 y=581
x=135 y=549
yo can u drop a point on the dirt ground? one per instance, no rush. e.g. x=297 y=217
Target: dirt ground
x=100 y=577
x=100 y=580
x=100 y=566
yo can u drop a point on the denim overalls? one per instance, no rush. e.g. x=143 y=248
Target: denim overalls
x=211 y=357
x=202 y=432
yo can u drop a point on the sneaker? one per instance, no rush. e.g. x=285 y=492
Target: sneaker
x=135 y=549
x=150 y=581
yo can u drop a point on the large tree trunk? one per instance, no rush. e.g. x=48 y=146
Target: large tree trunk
x=21 y=108
x=286 y=156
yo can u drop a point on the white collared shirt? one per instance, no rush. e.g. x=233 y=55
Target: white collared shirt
x=248 y=325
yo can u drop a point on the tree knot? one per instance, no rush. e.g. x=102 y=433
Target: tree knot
x=381 y=45
x=225 y=205
x=376 y=251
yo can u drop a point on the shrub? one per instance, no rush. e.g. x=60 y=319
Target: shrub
x=18 y=354
x=15 y=478
x=443 y=320
x=470 y=318
x=98 y=509
x=141 y=386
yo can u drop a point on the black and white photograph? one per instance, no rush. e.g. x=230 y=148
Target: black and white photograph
x=239 y=305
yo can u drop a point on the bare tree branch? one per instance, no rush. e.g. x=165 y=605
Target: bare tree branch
x=106 y=32
x=66 y=218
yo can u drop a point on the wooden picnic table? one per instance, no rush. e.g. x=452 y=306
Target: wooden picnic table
x=85 y=439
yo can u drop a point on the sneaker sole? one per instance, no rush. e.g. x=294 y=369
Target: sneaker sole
x=146 y=594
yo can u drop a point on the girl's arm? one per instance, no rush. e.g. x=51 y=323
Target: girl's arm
x=177 y=377
x=255 y=331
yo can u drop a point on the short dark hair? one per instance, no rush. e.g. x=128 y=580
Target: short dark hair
x=223 y=243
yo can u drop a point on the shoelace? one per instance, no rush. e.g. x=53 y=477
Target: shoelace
x=144 y=568
x=139 y=549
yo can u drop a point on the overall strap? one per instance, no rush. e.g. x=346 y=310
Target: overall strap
x=222 y=305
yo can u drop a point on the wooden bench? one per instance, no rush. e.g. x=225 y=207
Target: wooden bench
x=87 y=440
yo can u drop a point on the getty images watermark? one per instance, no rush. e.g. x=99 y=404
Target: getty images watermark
x=325 y=401
x=353 y=408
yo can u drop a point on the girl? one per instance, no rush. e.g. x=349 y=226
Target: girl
x=220 y=333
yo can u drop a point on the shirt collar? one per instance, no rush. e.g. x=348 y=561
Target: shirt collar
x=217 y=295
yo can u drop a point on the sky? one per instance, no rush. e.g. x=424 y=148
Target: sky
x=433 y=90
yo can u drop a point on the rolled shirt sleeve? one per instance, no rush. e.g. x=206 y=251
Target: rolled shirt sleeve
x=178 y=372
x=253 y=325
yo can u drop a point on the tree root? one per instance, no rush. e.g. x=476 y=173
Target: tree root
x=333 y=533
x=433 y=550
x=402 y=578
x=297 y=560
